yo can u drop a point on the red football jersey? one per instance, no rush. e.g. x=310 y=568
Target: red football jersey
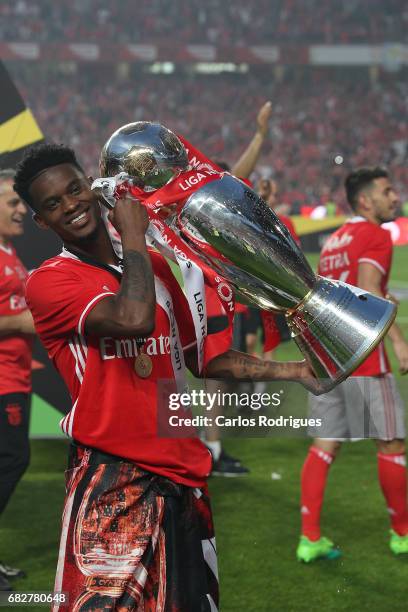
x=113 y=409
x=16 y=349
x=359 y=241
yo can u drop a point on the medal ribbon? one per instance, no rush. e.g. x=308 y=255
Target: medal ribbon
x=176 y=350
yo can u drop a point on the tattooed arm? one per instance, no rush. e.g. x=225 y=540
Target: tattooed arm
x=237 y=366
x=132 y=310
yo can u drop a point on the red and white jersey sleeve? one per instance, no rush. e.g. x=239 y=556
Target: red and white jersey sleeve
x=60 y=298
x=377 y=249
x=359 y=242
x=16 y=349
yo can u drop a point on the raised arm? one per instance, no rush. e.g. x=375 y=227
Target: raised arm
x=132 y=310
x=246 y=163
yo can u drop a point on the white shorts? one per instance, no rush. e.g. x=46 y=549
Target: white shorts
x=360 y=407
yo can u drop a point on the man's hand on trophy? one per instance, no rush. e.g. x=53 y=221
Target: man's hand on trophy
x=106 y=187
x=308 y=378
x=263 y=117
x=129 y=216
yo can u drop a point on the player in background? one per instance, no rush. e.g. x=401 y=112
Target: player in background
x=16 y=336
x=137 y=519
x=368 y=404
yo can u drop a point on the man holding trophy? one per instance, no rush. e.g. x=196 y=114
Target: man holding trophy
x=137 y=528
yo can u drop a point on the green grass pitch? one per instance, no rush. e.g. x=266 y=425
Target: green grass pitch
x=257 y=522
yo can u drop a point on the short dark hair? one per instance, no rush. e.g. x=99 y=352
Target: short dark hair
x=37 y=159
x=360 y=179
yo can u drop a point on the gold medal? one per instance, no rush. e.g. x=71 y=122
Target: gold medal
x=143 y=365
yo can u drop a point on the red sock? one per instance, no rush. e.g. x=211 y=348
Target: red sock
x=313 y=484
x=392 y=474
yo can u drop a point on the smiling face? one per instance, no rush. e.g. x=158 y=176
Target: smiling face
x=12 y=212
x=64 y=202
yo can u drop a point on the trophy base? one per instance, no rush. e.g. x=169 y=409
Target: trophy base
x=337 y=326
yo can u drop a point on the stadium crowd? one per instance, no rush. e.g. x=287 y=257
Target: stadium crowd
x=211 y=22
x=322 y=124
x=316 y=117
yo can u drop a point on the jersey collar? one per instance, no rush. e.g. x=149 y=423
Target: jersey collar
x=7 y=250
x=117 y=271
x=356 y=219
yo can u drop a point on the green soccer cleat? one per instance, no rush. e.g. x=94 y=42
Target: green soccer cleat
x=323 y=548
x=398 y=544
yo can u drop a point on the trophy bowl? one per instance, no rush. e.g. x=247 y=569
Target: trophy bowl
x=148 y=152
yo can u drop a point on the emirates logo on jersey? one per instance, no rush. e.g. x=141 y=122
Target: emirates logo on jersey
x=111 y=348
x=337 y=242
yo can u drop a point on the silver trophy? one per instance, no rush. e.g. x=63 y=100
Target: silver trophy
x=148 y=152
x=335 y=325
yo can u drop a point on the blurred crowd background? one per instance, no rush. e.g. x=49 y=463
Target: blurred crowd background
x=208 y=21
x=326 y=120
